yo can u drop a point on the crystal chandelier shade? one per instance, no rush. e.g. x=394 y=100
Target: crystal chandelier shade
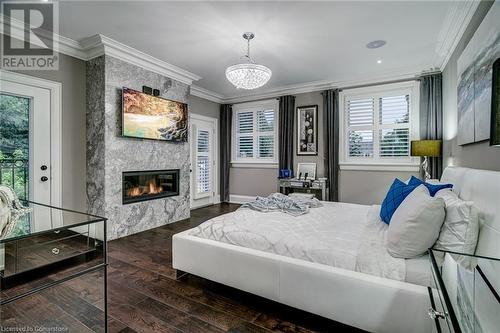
x=248 y=75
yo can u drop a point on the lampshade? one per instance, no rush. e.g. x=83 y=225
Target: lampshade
x=429 y=148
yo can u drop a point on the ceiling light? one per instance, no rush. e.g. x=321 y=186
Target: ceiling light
x=379 y=61
x=376 y=44
x=248 y=74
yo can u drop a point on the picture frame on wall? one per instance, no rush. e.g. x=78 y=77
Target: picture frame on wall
x=307 y=130
x=475 y=78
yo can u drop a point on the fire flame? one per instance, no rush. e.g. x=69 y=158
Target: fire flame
x=150 y=188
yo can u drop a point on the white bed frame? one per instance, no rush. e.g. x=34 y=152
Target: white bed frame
x=368 y=302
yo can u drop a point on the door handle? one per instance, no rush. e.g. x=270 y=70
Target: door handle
x=44 y=179
x=43 y=167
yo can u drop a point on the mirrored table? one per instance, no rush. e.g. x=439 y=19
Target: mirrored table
x=466 y=298
x=53 y=263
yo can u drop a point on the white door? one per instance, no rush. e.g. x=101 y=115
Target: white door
x=203 y=161
x=25 y=144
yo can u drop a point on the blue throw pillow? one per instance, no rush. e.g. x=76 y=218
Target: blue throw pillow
x=397 y=193
x=433 y=188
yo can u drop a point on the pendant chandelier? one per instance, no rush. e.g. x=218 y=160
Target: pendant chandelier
x=248 y=74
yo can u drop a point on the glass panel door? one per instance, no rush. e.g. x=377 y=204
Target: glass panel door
x=203 y=162
x=14 y=143
x=25 y=146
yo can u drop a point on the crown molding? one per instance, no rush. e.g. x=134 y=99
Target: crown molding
x=454 y=25
x=456 y=21
x=98 y=45
x=401 y=74
x=206 y=94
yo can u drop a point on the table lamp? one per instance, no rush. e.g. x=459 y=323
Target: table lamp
x=426 y=149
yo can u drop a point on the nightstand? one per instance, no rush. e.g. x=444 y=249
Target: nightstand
x=53 y=272
x=466 y=298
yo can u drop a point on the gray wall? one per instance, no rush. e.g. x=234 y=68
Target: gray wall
x=476 y=155
x=367 y=187
x=260 y=181
x=71 y=75
x=363 y=187
x=312 y=98
x=203 y=107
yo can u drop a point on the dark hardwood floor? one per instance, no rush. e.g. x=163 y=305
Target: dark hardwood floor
x=144 y=296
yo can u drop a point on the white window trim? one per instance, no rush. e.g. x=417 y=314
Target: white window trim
x=216 y=157
x=255 y=162
x=410 y=164
x=55 y=89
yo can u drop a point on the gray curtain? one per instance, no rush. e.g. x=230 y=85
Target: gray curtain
x=286 y=120
x=331 y=134
x=431 y=117
x=226 y=117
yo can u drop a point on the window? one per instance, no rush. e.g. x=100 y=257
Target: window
x=378 y=124
x=203 y=163
x=255 y=133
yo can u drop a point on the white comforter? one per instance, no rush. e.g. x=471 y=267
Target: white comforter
x=343 y=235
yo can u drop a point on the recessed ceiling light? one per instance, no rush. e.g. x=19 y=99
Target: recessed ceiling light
x=379 y=61
x=376 y=44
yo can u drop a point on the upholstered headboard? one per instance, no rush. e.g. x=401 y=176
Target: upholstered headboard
x=482 y=187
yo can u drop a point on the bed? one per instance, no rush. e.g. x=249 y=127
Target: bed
x=331 y=261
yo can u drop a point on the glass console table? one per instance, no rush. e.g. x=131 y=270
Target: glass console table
x=53 y=272
x=466 y=298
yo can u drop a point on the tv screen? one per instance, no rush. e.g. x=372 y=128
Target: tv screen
x=150 y=117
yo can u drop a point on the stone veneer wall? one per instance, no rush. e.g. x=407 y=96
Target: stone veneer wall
x=109 y=154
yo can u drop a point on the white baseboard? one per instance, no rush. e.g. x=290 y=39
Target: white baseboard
x=240 y=199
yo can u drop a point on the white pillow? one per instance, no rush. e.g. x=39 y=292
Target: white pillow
x=461 y=225
x=415 y=225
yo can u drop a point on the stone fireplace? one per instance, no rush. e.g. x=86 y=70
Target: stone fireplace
x=148 y=185
x=111 y=157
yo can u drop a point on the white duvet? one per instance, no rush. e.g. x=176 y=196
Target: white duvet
x=342 y=235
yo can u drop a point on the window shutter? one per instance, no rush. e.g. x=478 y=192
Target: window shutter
x=245 y=122
x=265 y=121
x=254 y=133
x=394 y=118
x=360 y=112
x=203 y=165
x=394 y=110
x=360 y=127
x=265 y=124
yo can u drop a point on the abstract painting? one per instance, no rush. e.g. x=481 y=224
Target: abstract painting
x=151 y=117
x=474 y=69
x=307 y=130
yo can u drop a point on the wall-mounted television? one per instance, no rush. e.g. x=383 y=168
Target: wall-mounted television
x=149 y=117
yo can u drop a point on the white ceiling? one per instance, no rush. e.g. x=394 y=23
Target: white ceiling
x=299 y=41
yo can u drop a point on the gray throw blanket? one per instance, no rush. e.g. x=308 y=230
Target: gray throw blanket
x=279 y=202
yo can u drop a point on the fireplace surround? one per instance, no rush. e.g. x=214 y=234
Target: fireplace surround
x=148 y=185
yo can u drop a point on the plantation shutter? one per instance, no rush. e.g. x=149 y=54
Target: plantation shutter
x=378 y=126
x=245 y=130
x=255 y=134
x=394 y=119
x=360 y=119
x=204 y=163
x=265 y=128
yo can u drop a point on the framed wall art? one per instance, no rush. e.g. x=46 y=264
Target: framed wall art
x=307 y=130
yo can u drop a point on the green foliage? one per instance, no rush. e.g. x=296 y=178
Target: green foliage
x=14 y=143
x=355 y=145
x=14 y=117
